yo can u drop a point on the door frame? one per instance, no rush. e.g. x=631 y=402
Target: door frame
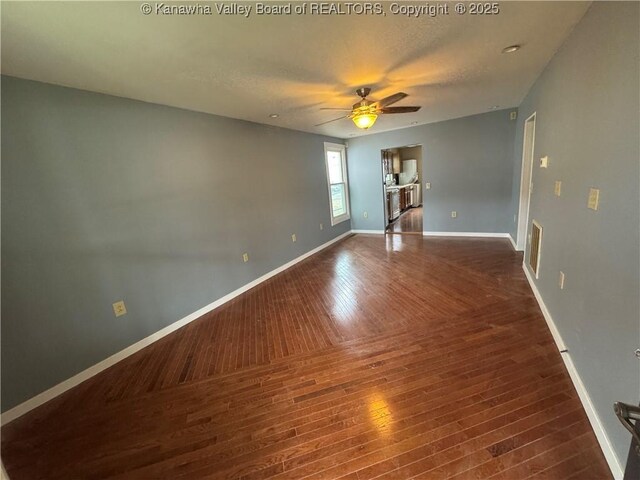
x=385 y=211
x=421 y=169
x=526 y=173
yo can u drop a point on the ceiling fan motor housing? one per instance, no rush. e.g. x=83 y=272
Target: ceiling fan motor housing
x=362 y=103
x=363 y=92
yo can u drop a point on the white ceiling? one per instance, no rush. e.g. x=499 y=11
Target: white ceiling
x=248 y=68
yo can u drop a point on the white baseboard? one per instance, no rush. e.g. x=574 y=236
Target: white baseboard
x=545 y=313
x=62 y=387
x=603 y=439
x=605 y=444
x=466 y=234
x=372 y=232
x=513 y=243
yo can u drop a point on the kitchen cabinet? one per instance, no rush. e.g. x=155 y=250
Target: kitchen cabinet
x=387 y=162
x=391 y=162
x=397 y=164
x=403 y=199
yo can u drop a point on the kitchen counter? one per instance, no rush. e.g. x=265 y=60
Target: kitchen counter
x=398 y=187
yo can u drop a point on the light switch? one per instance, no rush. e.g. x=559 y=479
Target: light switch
x=245 y=257
x=544 y=162
x=294 y=238
x=561 y=280
x=454 y=214
x=119 y=309
x=594 y=198
x=558 y=188
x=513 y=115
x=427 y=186
x=321 y=227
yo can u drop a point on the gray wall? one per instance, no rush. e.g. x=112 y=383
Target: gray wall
x=105 y=198
x=587 y=121
x=469 y=162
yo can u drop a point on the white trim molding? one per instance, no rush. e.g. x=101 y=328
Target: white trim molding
x=369 y=232
x=513 y=243
x=545 y=313
x=62 y=387
x=605 y=444
x=526 y=179
x=466 y=234
x=342 y=150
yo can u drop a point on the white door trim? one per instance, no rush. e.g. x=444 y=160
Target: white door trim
x=526 y=173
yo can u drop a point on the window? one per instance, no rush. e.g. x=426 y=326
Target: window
x=336 y=162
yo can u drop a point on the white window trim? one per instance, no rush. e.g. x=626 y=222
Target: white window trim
x=343 y=152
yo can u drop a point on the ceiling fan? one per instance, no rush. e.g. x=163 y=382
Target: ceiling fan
x=364 y=113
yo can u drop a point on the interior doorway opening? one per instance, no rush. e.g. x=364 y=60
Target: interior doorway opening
x=402 y=191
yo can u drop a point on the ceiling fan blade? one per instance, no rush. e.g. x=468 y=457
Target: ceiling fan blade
x=396 y=97
x=399 y=109
x=336 y=108
x=335 y=119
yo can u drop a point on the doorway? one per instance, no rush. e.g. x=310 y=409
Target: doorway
x=401 y=185
x=526 y=179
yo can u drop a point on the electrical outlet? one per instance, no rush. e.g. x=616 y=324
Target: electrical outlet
x=558 y=188
x=119 y=309
x=561 y=280
x=594 y=198
x=454 y=214
x=427 y=186
x=366 y=215
x=515 y=218
x=294 y=238
x=544 y=162
x=321 y=227
x=245 y=257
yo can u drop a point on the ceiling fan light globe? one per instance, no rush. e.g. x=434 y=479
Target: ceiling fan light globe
x=365 y=120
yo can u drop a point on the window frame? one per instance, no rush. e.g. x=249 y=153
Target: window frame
x=342 y=149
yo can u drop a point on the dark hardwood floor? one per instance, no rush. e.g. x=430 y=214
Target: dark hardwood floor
x=409 y=222
x=384 y=356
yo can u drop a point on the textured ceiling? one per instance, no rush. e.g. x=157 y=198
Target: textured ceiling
x=248 y=68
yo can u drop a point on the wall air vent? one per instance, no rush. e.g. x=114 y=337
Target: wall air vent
x=536 y=245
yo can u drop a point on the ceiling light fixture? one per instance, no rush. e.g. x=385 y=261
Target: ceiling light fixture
x=365 y=120
x=511 y=49
x=274 y=115
x=365 y=116
x=495 y=107
x=414 y=123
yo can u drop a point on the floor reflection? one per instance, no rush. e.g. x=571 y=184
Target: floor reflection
x=344 y=293
x=409 y=222
x=380 y=414
x=395 y=243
